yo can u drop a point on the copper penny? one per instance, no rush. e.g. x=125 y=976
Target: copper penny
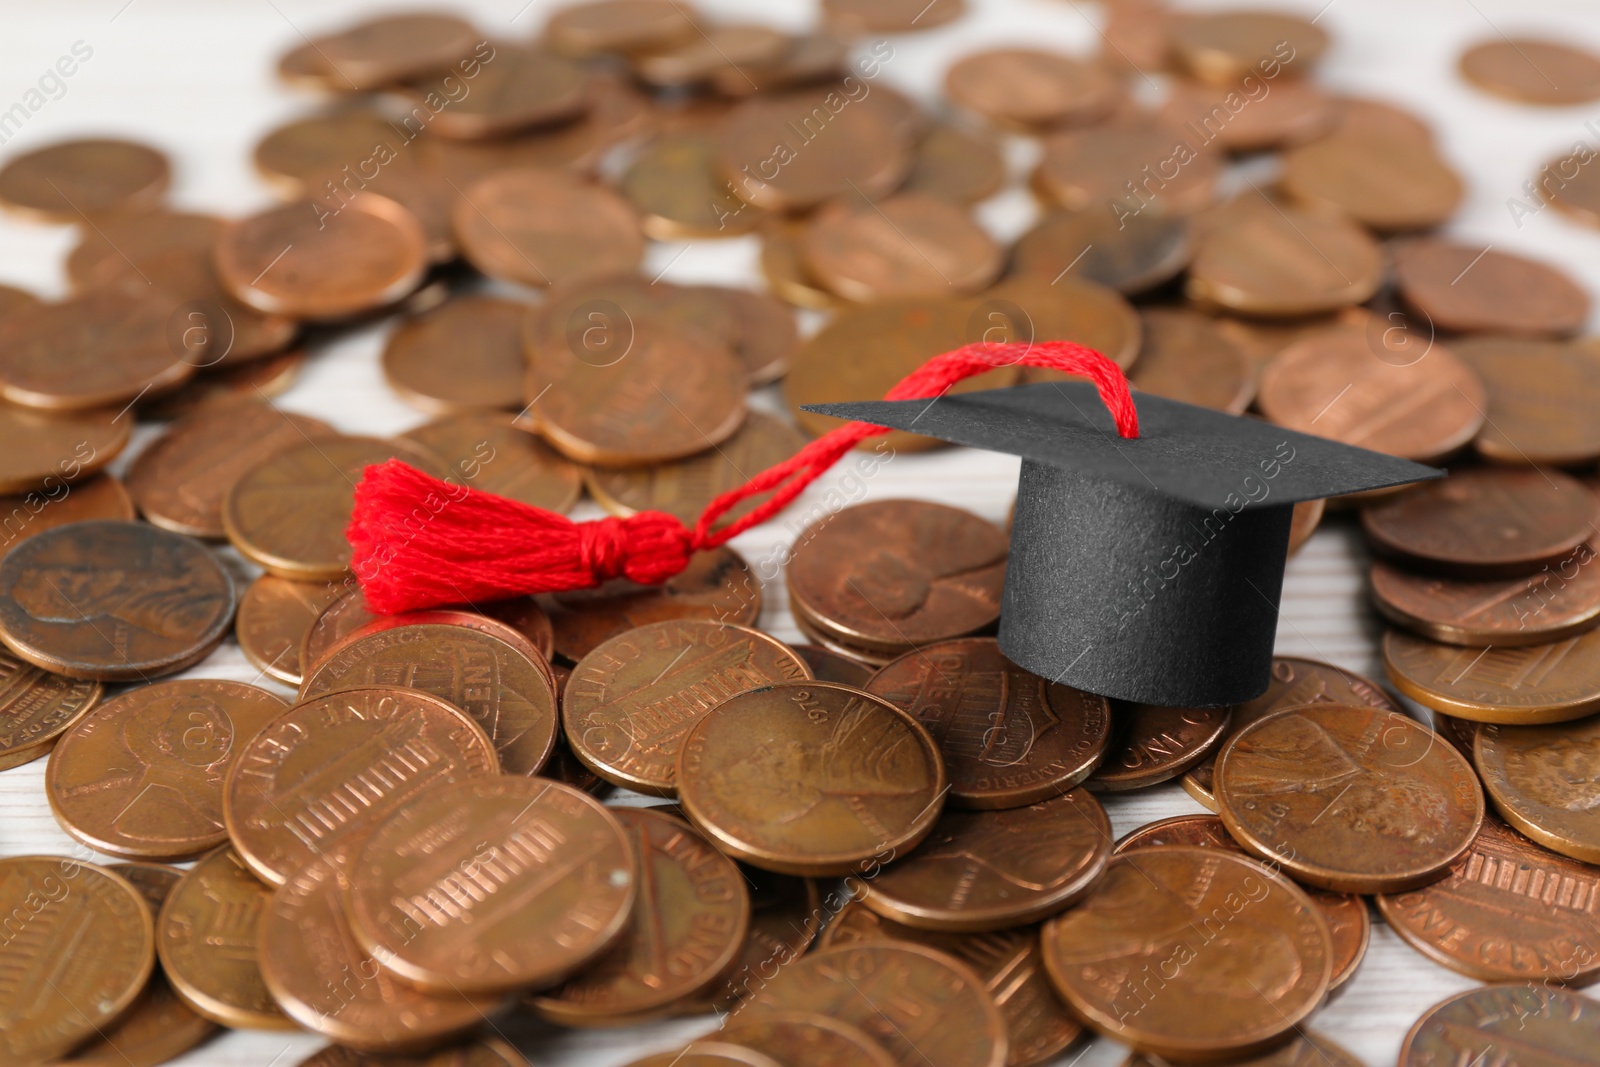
x=1134 y=36
x=1307 y=1048
x=541 y=227
x=717 y=49
x=205 y=324
x=631 y=702
x=505 y=692
x=890 y=16
x=906 y=996
x=1545 y=781
x=688 y=925
x=906 y=245
x=207 y=938
x=453 y=617
x=810 y=778
x=1294 y=682
x=1391 y=184
x=1560 y=601
x=1335 y=383
x=956 y=164
x=618 y=26
x=1527 y=685
x=1540 y=394
x=274 y=616
x=25 y=515
x=1303 y=522
x=680 y=194
x=1529 y=70
x=1540 y=1026
x=596 y=322
x=115 y=601
x=766 y=335
x=324 y=772
x=992 y=870
x=342 y=617
x=1284 y=263
x=785 y=912
x=36 y=708
x=1186 y=357
x=1008 y=738
x=83 y=940
x=1571 y=186
x=524 y=615
x=488 y=452
x=1224 y=46
x=69 y=180
x=382 y=50
x=784 y=268
x=1130 y=255
x=303 y=260
x=41 y=453
x=111 y=249
x=141 y=775
x=1348 y=798
x=1088 y=170
x=829 y=666
x=1151 y=744
x=1461 y=733
x=465 y=355
x=287 y=512
x=1240 y=117
x=805 y=1039
x=256 y=379
x=309 y=156
x=1025 y=89
x=1468 y=289
x=1262 y=954
x=1026 y=310
x=512 y=88
x=1495 y=522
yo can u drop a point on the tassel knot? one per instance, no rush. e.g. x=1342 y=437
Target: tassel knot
x=603 y=548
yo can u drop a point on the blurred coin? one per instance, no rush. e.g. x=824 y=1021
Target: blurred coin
x=785 y=912
x=784 y=267
x=1362 y=116
x=765 y=335
x=1024 y=88
x=595 y=322
x=465 y=355
x=488 y=452
x=1465 y=289
x=1540 y=396
x=1549 y=1026
x=1559 y=601
x=256 y=379
x=112 y=248
x=385 y=49
x=1137 y=254
x=1088 y=170
x=676 y=187
x=1185 y=357
x=1528 y=70
x=1557 y=681
x=810 y=57
x=890 y=16
x=1150 y=744
x=1223 y=46
x=1249 y=115
x=13 y=300
x=1303 y=522
x=804 y=1039
x=1024 y=310
x=541 y=227
x=906 y=245
x=1542 y=779
x=274 y=616
x=717 y=49
x=25 y=515
x=1307 y=1047
x=71 y=180
x=1279 y=264
x=512 y=88
x=1570 y=185
x=1392 y=184
x=36 y=708
x=342 y=617
x=583 y=29
x=956 y=164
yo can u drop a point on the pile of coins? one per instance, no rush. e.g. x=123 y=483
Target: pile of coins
x=883 y=847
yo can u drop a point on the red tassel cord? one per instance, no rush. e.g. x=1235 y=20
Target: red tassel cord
x=418 y=542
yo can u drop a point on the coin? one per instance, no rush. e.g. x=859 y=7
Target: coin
x=1008 y=738
x=1352 y=799
x=1223 y=46
x=804 y=1039
x=341 y=618
x=111 y=249
x=113 y=601
x=452 y=617
x=1518 y=686
x=1240 y=117
x=1335 y=384
x=274 y=616
x=1024 y=88
x=513 y=88
x=906 y=996
x=785 y=912
x=1539 y=395
x=1570 y=186
x=36 y=708
x=785 y=271
x=256 y=379
x=766 y=336
x=1528 y=70
x=596 y=322
x=1150 y=744
x=385 y=49
x=25 y=515
x=81 y=938
x=465 y=355
x=1461 y=733
x=503 y=690
x=1088 y=169
x=1544 y=1027
x=41 y=452
x=906 y=245
x=207 y=940
x=1466 y=289
x=679 y=193
x=1307 y=1047
x=1542 y=780
x=1491 y=523
x=1131 y=255
x=1303 y=522
x=324 y=772
x=632 y=700
x=523 y=615
x=718 y=49
x=305 y=260
x=688 y=926
x=618 y=26
x=1186 y=357
x=1283 y=263
x=1389 y=183
x=956 y=164
x=1558 y=602
x=69 y=180
x=488 y=452
x=828 y=666
x=541 y=227
x=810 y=778
x=206 y=325
x=287 y=513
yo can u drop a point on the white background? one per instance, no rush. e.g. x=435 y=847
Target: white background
x=195 y=77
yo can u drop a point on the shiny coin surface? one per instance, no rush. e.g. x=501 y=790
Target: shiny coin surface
x=1223 y=46
x=1391 y=184
x=37 y=707
x=1284 y=263
x=1352 y=799
x=490 y=453
x=1559 y=601
x=1539 y=394
x=324 y=772
x=810 y=778
x=1007 y=738
x=274 y=616
x=1150 y=743
x=1527 y=685
x=69 y=180
x=40 y=451
x=114 y=601
x=464 y=355
x=1545 y=781
x=1533 y=71
x=1257 y=955
x=1131 y=255
x=631 y=702
x=996 y=869
x=141 y=775
x=906 y=245
x=689 y=924
x=1025 y=88
x=542 y=227
x=207 y=940
x=1468 y=289
x=1550 y=1027
x=805 y=1039
x=1186 y=357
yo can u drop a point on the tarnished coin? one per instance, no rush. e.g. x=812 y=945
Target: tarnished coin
x=111 y=250
x=1467 y=289
x=465 y=355
x=1186 y=357
x=1284 y=263
x=507 y=693
x=829 y=666
x=36 y=708
x=488 y=452
x=40 y=453
x=1559 y=601
x=513 y=88
x=688 y=925
x=1540 y=394
x=1026 y=88
x=114 y=601
x=1224 y=46
x=543 y=227
x=809 y=58
x=1150 y=743
x=70 y=180
x=956 y=164
x=1008 y=738
x=618 y=26
x=324 y=772
x=385 y=49
x=992 y=870
x=785 y=912
x=804 y=1039
x=287 y=513
x=1529 y=70
x=207 y=940
x=1292 y=112
x=1088 y=170
x=1546 y=1027
x=1131 y=255
x=680 y=194
x=141 y=775
x=810 y=778
x=906 y=996
x=1527 y=685
x=274 y=617
x=631 y=702
x=1348 y=798
x=1391 y=184
x=1489 y=523
x=523 y=615
x=1545 y=781
x=1307 y=1048
x=1256 y=955
x=906 y=245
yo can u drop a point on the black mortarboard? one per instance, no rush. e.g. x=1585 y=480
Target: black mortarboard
x=1147 y=568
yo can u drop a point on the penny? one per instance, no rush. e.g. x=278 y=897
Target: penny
x=1352 y=799
x=1239 y=117
x=82 y=941
x=1336 y=384
x=898 y=573
x=1186 y=357
x=256 y=379
x=956 y=164
x=810 y=778
x=1560 y=601
x=110 y=251
x=679 y=193
x=1528 y=70
x=36 y=708
x=287 y=512
x=541 y=227
x=274 y=616
x=890 y=16
x=1303 y=522
x=688 y=925
x=320 y=775
x=1308 y=1047
x=1538 y=1025
x=1545 y=781
x=40 y=453
x=1294 y=681
x=524 y=615
x=906 y=996
x=1284 y=263
x=529 y=645
x=785 y=271
x=25 y=515
x=828 y=666
x=1461 y=733
x=1530 y=685
x=1151 y=744
x=1023 y=88
x=383 y=50
x=873 y=658
x=465 y=355
x=104 y=348
x=505 y=692
x=304 y=260
x=1494 y=522
x=906 y=245
x=1007 y=738
x=1224 y=46
x=765 y=336
x=205 y=325
x=342 y=617
x=1391 y=184
x=1088 y=170
x=71 y=180
x=1466 y=289
x=319 y=153
x=141 y=775
x=1134 y=36
x=631 y=701
x=717 y=49
x=488 y=452
x=1570 y=185
x=804 y=1039
x=596 y=322
x=113 y=601
x=1131 y=255
x=207 y=940
x=785 y=912
x=512 y=89
x=1539 y=395
x=618 y=26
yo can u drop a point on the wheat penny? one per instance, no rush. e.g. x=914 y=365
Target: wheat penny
x=1545 y=781
x=69 y=180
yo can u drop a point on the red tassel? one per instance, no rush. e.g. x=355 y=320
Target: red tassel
x=418 y=542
